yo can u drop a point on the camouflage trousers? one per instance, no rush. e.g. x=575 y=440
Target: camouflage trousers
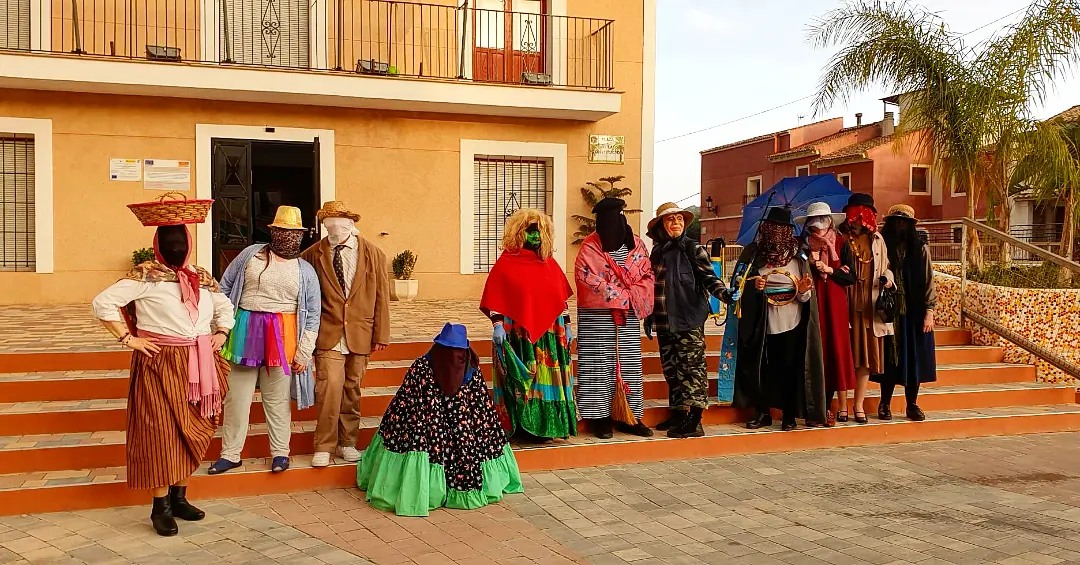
x=682 y=355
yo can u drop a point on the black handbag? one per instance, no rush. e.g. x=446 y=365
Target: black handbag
x=886 y=302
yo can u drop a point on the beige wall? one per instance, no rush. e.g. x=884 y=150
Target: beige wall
x=400 y=170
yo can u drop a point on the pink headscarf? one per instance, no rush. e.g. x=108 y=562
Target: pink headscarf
x=824 y=242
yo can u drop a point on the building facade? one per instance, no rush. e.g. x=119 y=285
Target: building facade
x=433 y=121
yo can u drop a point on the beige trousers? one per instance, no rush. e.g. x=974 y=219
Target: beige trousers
x=274 y=385
x=337 y=398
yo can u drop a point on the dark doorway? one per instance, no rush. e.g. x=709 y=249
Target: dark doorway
x=250 y=180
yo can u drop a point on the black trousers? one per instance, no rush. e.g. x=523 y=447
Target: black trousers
x=911 y=393
x=783 y=371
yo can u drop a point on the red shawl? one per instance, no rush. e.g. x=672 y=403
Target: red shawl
x=602 y=283
x=532 y=292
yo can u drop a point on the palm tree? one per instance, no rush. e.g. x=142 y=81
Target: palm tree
x=594 y=192
x=967 y=105
x=1050 y=180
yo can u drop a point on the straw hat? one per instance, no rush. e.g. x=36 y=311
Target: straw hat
x=288 y=217
x=335 y=209
x=902 y=211
x=668 y=208
x=820 y=209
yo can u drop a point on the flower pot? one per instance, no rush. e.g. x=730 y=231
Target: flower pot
x=406 y=290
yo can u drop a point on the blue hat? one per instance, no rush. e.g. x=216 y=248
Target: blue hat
x=453 y=335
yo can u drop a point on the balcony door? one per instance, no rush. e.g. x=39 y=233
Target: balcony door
x=15 y=24
x=508 y=39
x=272 y=33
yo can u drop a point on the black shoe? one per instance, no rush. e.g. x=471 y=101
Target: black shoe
x=884 y=411
x=690 y=427
x=162 y=517
x=914 y=413
x=639 y=429
x=601 y=427
x=180 y=506
x=675 y=417
x=788 y=425
x=762 y=420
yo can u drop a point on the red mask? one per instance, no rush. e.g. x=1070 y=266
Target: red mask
x=862 y=216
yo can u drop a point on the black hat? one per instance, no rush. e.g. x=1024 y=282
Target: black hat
x=779 y=215
x=608 y=205
x=860 y=199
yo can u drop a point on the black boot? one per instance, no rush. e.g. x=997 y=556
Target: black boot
x=180 y=506
x=788 y=423
x=601 y=427
x=763 y=420
x=675 y=418
x=162 y=517
x=690 y=427
x=639 y=429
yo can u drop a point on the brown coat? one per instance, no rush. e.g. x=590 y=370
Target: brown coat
x=364 y=319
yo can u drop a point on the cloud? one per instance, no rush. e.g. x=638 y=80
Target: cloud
x=707 y=22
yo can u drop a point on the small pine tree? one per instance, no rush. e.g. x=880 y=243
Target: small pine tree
x=593 y=193
x=403 y=265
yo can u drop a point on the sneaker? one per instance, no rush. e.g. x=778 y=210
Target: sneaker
x=320 y=459
x=350 y=454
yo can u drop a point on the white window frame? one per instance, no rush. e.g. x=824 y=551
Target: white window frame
x=204 y=165
x=801 y=167
x=473 y=148
x=746 y=193
x=842 y=176
x=911 y=180
x=41 y=129
x=953 y=189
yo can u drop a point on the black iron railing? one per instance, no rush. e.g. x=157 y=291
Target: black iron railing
x=369 y=37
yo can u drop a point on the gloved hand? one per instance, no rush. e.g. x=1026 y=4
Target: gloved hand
x=649 y=327
x=569 y=333
x=498 y=334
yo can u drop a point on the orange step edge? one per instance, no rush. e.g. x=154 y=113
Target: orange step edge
x=81 y=497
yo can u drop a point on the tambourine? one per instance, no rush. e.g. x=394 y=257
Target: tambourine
x=794 y=292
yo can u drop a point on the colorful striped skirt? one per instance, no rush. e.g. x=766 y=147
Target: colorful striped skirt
x=167 y=437
x=533 y=383
x=262 y=339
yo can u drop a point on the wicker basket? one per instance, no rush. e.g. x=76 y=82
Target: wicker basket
x=173 y=212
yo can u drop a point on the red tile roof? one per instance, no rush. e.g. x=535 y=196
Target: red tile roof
x=857 y=151
x=761 y=138
x=811 y=148
x=1070 y=115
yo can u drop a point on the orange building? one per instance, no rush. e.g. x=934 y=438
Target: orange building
x=433 y=120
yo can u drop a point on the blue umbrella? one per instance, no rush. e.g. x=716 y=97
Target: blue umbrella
x=796 y=193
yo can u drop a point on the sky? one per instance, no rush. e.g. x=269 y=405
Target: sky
x=718 y=61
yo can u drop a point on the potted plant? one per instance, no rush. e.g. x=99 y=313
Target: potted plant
x=405 y=287
x=140 y=256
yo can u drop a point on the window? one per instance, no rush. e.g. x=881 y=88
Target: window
x=753 y=188
x=18 y=245
x=920 y=179
x=845 y=180
x=957 y=189
x=802 y=171
x=15 y=24
x=503 y=185
x=265 y=32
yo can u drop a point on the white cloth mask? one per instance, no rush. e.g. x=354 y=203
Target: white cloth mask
x=340 y=229
x=819 y=223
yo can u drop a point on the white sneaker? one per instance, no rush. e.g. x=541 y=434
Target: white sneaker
x=320 y=459
x=350 y=454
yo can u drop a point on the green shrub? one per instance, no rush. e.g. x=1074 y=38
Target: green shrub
x=403 y=265
x=1046 y=275
x=140 y=256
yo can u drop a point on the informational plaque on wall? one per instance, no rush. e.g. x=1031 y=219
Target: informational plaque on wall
x=126 y=170
x=607 y=149
x=165 y=174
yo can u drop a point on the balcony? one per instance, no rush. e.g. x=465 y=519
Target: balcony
x=383 y=54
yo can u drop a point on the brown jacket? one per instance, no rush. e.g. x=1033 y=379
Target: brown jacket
x=364 y=319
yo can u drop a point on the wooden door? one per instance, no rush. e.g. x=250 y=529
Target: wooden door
x=508 y=39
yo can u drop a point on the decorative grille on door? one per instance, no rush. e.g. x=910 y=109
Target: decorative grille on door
x=265 y=32
x=502 y=186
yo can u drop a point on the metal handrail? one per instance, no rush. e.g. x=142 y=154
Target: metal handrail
x=1069 y=367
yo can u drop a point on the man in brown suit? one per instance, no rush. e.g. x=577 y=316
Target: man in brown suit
x=355 y=322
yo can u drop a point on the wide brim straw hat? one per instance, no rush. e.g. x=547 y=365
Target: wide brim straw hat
x=289 y=218
x=667 y=209
x=903 y=211
x=818 y=209
x=336 y=209
x=175 y=211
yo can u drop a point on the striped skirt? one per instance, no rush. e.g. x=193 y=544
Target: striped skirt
x=167 y=438
x=596 y=362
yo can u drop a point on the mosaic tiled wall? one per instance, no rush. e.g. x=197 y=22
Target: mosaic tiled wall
x=1050 y=318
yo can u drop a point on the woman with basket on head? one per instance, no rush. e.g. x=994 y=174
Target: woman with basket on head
x=277 y=299
x=525 y=298
x=872 y=278
x=177 y=319
x=615 y=293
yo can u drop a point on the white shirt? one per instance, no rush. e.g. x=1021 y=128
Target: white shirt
x=159 y=310
x=348 y=263
x=270 y=288
x=781 y=319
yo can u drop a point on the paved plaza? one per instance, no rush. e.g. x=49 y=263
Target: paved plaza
x=1010 y=500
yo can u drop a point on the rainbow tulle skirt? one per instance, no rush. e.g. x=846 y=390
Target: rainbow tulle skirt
x=262 y=339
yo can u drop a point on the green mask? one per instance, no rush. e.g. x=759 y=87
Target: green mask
x=532 y=238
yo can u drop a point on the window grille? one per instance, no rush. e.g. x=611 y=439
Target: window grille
x=17 y=202
x=502 y=186
x=15 y=24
